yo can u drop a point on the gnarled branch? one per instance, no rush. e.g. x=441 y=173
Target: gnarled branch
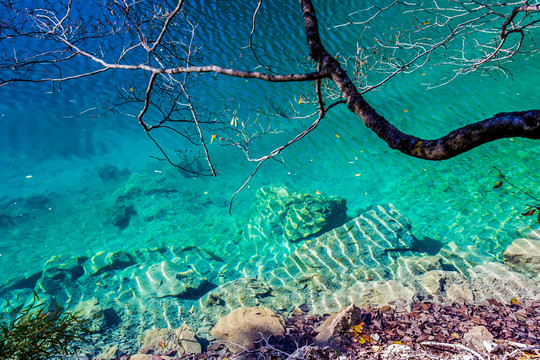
x=524 y=124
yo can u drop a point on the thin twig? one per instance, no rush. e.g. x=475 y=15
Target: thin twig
x=505 y=179
x=201 y=136
x=166 y=25
x=453 y=346
x=520 y=350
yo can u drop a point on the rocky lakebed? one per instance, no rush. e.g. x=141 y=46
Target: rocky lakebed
x=317 y=284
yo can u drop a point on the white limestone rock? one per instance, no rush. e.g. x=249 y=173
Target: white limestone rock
x=242 y=327
x=476 y=336
x=338 y=323
x=183 y=340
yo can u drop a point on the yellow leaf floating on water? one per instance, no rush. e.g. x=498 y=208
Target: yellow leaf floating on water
x=338 y=136
x=300 y=101
x=131 y=89
x=405 y=110
x=213 y=137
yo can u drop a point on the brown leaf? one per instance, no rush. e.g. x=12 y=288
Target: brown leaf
x=538 y=217
x=499 y=184
x=494 y=302
x=528 y=213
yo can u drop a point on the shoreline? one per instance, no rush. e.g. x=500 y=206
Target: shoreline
x=428 y=330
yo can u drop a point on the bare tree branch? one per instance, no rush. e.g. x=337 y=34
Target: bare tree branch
x=166 y=25
x=513 y=124
x=201 y=136
x=151 y=44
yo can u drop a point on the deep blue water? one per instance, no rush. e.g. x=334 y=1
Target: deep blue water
x=64 y=159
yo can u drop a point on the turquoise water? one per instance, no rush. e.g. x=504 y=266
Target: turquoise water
x=64 y=169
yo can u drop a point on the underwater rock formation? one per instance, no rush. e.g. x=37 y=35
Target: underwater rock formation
x=106 y=261
x=523 y=255
x=59 y=278
x=294 y=215
x=365 y=248
x=462 y=257
x=15 y=212
x=64 y=268
x=169 y=279
x=411 y=266
x=136 y=196
x=110 y=173
x=92 y=311
x=121 y=212
x=372 y=260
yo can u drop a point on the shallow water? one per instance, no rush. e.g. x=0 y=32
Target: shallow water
x=62 y=173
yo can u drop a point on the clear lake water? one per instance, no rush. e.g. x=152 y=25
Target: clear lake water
x=65 y=165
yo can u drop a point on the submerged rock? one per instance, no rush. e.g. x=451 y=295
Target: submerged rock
x=168 y=279
x=523 y=255
x=243 y=326
x=110 y=173
x=463 y=257
x=59 y=278
x=64 y=268
x=459 y=293
x=294 y=215
x=411 y=266
x=360 y=255
x=372 y=293
x=234 y=294
x=120 y=213
x=91 y=311
x=436 y=282
x=364 y=249
x=497 y=281
x=107 y=261
x=137 y=195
